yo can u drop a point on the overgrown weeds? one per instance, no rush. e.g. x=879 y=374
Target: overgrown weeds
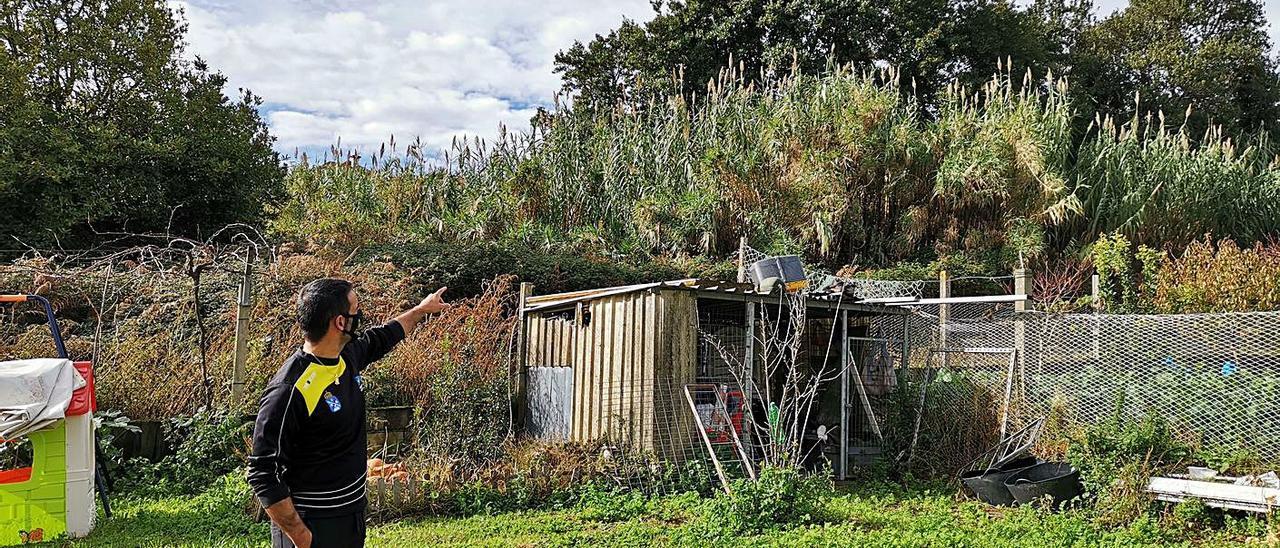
x=207 y=446
x=780 y=497
x=456 y=369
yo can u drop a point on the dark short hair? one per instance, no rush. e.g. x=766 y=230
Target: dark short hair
x=319 y=302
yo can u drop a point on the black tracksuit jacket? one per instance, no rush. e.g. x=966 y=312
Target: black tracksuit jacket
x=309 y=440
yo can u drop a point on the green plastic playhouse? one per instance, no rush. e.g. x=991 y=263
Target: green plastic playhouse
x=55 y=495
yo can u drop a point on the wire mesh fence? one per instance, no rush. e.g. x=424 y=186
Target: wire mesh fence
x=1214 y=377
x=937 y=387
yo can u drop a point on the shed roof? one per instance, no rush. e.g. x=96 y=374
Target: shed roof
x=708 y=288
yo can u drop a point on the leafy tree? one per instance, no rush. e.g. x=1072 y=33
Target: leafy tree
x=105 y=126
x=931 y=41
x=1212 y=56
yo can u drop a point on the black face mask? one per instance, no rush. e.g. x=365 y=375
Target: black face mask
x=353 y=323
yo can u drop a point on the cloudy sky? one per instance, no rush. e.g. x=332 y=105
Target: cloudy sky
x=363 y=71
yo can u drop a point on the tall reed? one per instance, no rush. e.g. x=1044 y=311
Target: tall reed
x=844 y=167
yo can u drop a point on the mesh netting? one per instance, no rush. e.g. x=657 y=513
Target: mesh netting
x=1215 y=377
x=857 y=288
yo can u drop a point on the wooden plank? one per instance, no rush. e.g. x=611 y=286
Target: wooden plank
x=664 y=390
x=604 y=368
x=615 y=418
x=566 y=345
x=636 y=356
x=531 y=340
x=600 y=323
x=682 y=367
x=582 y=384
x=554 y=297
x=589 y=376
x=611 y=292
x=1221 y=495
x=579 y=337
x=627 y=331
x=579 y=373
x=617 y=367
x=647 y=331
x=542 y=341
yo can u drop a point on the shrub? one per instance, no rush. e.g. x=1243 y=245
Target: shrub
x=1117 y=456
x=781 y=496
x=1122 y=289
x=1221 y=277
x=209 y=445
x=1207 y=277
x=455 y=368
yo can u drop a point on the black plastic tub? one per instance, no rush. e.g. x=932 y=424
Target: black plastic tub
x=989 y=486
x=1057 y=480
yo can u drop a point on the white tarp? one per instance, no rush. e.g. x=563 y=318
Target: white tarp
x=34 y=394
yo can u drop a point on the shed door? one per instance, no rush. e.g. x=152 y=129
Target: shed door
x=550 y=394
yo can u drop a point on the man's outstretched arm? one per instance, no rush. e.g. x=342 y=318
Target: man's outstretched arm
x=375 y=343
x=434 y=303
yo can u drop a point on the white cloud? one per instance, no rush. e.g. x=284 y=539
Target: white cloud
x=363 y=71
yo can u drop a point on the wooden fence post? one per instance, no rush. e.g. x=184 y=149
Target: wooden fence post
x=1021 y=286
x=944 y=315
x=1096 y=302
x=518 y=377
x=244 y=306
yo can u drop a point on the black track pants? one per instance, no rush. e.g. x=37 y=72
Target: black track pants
x=335 y=532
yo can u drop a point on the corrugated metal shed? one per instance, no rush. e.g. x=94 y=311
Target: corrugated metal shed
x=631 y=354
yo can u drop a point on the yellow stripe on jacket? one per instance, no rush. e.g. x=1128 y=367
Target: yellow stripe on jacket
x=316 y=379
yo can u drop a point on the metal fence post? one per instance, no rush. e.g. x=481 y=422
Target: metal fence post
x=748 y=392
x=844 y=393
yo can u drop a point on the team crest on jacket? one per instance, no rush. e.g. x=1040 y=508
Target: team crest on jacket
x=332 y=401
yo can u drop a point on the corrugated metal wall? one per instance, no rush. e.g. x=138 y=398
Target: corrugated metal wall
x=631 y=356
x=550 y=402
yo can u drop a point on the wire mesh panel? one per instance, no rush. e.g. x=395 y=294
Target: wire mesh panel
x=871 y=381
x=651 y=439
x=962 y=398
x=1214 y=377
x=723 y=330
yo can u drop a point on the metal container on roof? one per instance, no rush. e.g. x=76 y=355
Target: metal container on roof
x=785 y=269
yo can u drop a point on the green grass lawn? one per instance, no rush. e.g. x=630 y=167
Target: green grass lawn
x=863 y=516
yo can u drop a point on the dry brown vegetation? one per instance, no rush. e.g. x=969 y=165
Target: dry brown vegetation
x=138 y=324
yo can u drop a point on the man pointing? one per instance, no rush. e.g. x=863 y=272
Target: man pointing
x=307 y=467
